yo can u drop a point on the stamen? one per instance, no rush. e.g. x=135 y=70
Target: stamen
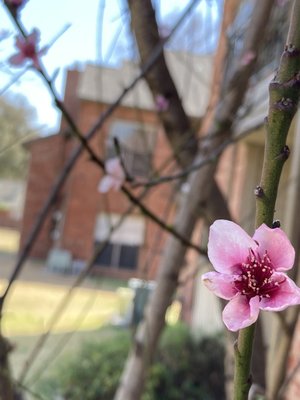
x=255 y=277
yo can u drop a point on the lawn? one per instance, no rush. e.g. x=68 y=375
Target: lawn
x=30 y=306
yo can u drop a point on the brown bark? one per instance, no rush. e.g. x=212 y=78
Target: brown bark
x=175 y=121
x=177 y=126
x=133 y=378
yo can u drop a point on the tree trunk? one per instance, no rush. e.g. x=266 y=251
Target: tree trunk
x=134 y=374
x=180 y=133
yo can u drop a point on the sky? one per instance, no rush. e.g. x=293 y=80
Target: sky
x=82 y=42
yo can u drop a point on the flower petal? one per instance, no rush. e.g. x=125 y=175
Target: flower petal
x=240 y=312
x=228 y=245
x=17 y=59
x=220 y=284
x=34 y=37
x=20 y=42
x=288 y=294
x=113 y=167
x=106 y=184
x=278 y=246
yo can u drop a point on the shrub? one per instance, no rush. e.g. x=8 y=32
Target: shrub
x=183 y=369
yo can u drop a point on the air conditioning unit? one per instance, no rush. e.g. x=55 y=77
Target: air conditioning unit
x=59 y=260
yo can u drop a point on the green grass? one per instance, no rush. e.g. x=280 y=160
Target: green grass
x=30 y=306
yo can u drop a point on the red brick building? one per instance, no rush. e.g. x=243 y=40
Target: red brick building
x=81 y=216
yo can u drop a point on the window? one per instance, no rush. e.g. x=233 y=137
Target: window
x=120 y=256
x=122 y=251
x=136 y=142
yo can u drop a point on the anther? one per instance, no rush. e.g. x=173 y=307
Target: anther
x=276 y=224
x=258 y=191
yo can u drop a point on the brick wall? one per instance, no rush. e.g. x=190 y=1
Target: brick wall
x=80 y=202
x=83 y=202
x=7 y=221
x=46 y=159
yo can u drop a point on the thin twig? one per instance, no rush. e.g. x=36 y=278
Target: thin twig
x=213 y=156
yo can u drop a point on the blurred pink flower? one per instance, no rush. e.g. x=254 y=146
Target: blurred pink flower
x=161 y=103
x=164 y=31
x=248 y=57
x=114 y=177
x=28 y=50
x=15 y=5
x=282 y=3
x=250 y=272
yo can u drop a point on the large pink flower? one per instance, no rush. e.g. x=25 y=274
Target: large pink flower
x=115 y=176
x=250 y=271
x=28 y=50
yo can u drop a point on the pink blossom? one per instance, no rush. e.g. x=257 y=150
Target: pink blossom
x=164 y=31
x=15 y=5
x=161 y=103
x=115 y=176
x=250 y=272
x=28 y=50
x=282 y=3
x=247 y=58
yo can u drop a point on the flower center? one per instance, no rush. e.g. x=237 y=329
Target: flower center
x=29 y=50
x=255 y=276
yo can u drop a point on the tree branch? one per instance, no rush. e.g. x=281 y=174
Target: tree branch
x=178 y=128
x=284 y=98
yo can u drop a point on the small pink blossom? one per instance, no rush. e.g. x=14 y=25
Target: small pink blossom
x=247 y=58
x=15 y=5
x=250 y=272
x=28 y=50
x=161 y=103
x=164 y=31
x=114 y=177
x=282 y=3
